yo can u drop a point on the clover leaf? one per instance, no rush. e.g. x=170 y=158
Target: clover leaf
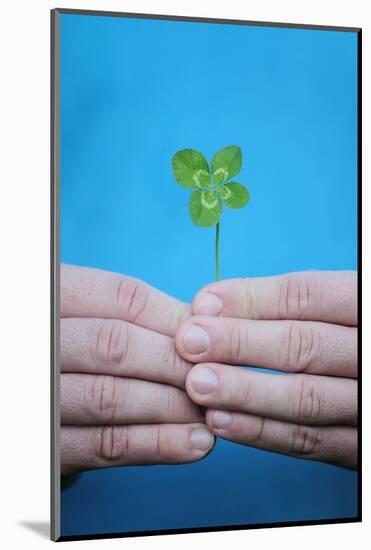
x=191 y=169
x=234 y=195
x=205 y=208
x=226 y=164
x=211 y=188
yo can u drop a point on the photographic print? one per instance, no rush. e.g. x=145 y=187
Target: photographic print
x=205 y=255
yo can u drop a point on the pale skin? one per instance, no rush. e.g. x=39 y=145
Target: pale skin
x=123 y=377
x=122 y=398
x=303 y=324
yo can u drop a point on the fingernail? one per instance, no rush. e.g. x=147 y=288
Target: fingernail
x=209 y=304
x=221 y=419
x=203 y=380
x=201 y=439
x=195 y=339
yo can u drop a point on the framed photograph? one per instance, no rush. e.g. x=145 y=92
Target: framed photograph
x=206 y=181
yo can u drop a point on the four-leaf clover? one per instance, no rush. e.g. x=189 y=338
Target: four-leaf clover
x=211 y=188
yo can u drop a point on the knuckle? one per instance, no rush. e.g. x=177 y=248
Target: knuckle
x=172 y=401
x=103 y=402
x=176 y=366
x=131 y=298
x=299 y=347
x=243 y=393
x=306 y=399
x=249 y=300
x=158 y=444
x=109 y=344
x=295 y=296
x=304 y=440
x=110 y=443
x=235 y=344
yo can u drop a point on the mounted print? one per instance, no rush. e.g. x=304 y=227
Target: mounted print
x=205 y=272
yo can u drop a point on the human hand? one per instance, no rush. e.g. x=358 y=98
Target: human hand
x=300 y=323
x=122 y=399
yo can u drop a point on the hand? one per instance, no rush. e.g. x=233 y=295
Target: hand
x=300 y=323
x=122 y=384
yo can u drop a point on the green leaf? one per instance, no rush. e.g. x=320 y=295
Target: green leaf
x=205 y=208
x=234 y=195
x=191 y=169
x=226 y=164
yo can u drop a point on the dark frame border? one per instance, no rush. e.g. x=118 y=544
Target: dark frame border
x=55 y=488
x=55 y=492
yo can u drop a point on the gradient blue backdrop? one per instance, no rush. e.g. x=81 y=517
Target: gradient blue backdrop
x=132 y=93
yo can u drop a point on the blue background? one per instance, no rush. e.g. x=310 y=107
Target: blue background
x=133 y=92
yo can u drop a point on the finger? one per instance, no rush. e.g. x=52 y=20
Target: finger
x=105 y=346
x=89 y=292
x=100 y=399
x=329 y=296
x=108 y=446
x=298 y=398
x=335 y=444
x=291 y=346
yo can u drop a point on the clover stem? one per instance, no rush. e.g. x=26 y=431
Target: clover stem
x=217 y=274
